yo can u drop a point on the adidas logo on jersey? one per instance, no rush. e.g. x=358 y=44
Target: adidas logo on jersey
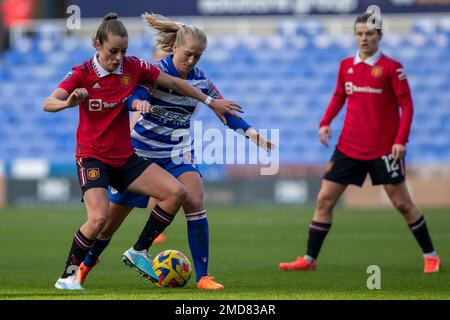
x=96 y=86
x=350 y=71
x=394 y=174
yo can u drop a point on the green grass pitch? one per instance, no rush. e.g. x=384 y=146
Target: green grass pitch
x=246 y=245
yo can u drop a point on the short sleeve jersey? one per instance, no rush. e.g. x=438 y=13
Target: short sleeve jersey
x=104 y=129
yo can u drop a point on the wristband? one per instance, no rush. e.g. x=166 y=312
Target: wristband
x=236 y=123
x=207 y=100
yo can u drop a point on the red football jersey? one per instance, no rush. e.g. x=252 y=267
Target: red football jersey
x=104 y=128
x=376 y=89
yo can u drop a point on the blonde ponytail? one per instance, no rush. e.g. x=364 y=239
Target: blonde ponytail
x=170 y=32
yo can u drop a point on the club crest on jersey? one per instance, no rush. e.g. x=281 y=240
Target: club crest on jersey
x=93 y=173
x=125 y=80
x=377 y=71
x=95 y=104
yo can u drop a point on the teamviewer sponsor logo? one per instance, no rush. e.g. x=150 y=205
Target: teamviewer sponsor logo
x=95 y=104
x=350 y=88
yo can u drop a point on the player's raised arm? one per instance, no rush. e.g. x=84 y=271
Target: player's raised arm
x=139 y=102
x=60 y=99
x=134 y=120
x=69 y=93
x=182 y=87
x=241 y=126
x=259 y=140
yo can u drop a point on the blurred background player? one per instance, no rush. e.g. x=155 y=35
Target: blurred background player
x=152 y=137
x=104 y=152
x=4 y=32
x=373 y=141
x=15 y=13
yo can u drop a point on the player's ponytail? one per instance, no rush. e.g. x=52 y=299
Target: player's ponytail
x=170 y=32
x=111 y=16
x=110 y=25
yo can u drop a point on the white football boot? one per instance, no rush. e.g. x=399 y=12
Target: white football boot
x=69 y=283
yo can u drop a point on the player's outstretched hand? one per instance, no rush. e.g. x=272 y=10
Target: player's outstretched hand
x=142 y=106
x=260 y=141
x=222 y=106
x=325 y=135
x=76 y=97
x=398 y=151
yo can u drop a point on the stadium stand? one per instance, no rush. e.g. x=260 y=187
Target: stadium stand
x=283 y=81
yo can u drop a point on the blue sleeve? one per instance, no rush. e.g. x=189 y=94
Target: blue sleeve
x=236 y=123
x=140 y=93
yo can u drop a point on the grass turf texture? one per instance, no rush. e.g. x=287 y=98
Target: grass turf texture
x=246 y=246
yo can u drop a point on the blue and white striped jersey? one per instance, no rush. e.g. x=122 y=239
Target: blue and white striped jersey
x=164 y=132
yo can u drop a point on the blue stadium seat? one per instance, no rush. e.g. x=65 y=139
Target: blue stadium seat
x=284 y=81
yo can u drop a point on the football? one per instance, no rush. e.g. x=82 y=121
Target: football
x=173 y=268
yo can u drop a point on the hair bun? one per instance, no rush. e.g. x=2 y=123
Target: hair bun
x=111 y=16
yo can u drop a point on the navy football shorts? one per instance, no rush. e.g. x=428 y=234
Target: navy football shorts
x=345 y=170
x=93 y=173
x=130 y=199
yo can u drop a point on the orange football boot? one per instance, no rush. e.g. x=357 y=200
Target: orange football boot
x=431 y=264
x=160 y=239
x=208 y=283
x=83 y=271
x=301 y=264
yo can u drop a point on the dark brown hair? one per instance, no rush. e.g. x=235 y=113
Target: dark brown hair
x=364 y=17
x=110 y=25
